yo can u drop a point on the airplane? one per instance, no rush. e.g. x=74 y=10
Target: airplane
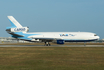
x=19 y=32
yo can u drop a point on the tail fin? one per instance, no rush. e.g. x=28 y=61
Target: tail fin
x=14 y=22
x=16 y=26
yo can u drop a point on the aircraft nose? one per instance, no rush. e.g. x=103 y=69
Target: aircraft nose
x=97 y=37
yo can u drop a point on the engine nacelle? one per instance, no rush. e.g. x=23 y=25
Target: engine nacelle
x=35 y=40
x=60 y=41
x=22 y=29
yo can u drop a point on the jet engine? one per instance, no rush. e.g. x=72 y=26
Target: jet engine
x=21 y=29
x=60 y=41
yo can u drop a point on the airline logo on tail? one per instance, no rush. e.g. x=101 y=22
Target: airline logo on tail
x=19 y=29
x=23 y=29
x=16 y=26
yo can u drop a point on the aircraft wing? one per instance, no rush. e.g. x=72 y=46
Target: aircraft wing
x=49 y=39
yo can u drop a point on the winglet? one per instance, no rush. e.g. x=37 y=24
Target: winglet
x=14 y=22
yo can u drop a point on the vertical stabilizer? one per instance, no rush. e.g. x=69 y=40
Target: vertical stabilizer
x=14 y=22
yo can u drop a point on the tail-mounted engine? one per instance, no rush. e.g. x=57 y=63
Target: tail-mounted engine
x=21 y=29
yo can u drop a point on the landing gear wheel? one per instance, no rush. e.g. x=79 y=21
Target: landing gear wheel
x=47 y=44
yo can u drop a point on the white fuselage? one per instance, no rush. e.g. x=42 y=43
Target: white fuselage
x=67 y=36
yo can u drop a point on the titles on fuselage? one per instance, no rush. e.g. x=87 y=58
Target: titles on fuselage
x=67 y=35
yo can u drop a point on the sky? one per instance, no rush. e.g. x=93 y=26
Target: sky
x=54 y=15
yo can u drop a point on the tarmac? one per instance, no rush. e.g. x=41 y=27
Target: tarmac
x=52 y=46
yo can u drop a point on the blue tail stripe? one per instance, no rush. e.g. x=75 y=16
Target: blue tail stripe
x=13 y=25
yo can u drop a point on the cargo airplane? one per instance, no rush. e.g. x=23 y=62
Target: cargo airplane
x=18 y=31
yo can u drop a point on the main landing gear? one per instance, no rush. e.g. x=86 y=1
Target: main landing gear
x=47 y=44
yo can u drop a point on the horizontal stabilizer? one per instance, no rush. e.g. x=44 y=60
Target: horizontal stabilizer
x=17 y=34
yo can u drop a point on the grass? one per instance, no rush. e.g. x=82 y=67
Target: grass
x=51 y=58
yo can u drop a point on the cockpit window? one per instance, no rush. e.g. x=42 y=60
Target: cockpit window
x=95 y=35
